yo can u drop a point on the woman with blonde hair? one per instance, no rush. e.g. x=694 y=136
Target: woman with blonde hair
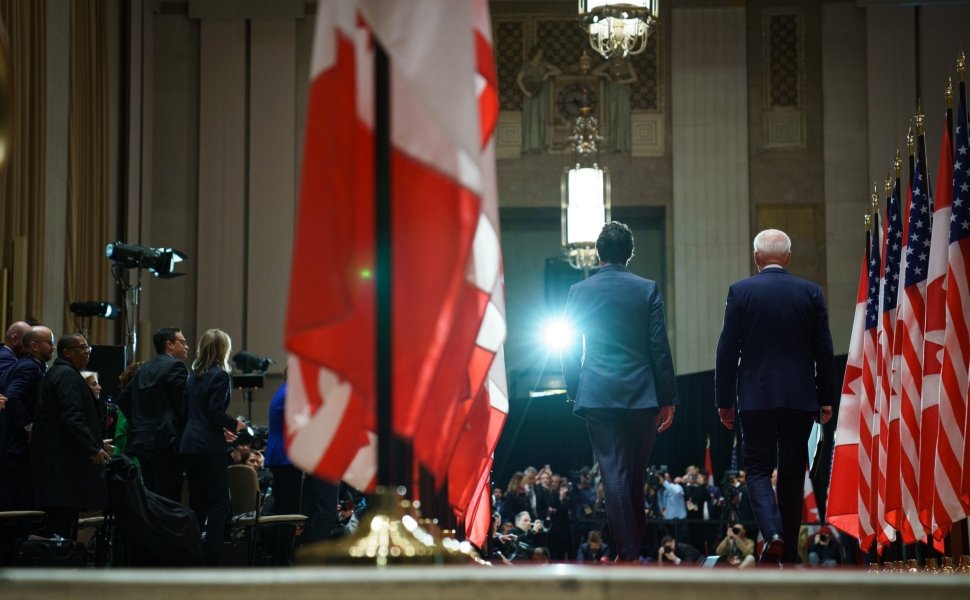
x=207 y=432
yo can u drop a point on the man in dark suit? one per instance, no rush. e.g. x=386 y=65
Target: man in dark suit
x=68 y=449
x=774 y=359
x=13 y=346
x=20 y=384
x=154 y=404
x=623 y=383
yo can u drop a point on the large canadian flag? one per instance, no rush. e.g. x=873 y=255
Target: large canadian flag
x=444 y=234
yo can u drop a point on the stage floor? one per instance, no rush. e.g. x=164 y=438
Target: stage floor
x=563 y=582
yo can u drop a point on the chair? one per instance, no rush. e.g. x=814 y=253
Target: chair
x=245 y=503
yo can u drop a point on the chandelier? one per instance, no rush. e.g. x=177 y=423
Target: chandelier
x=585 y=194
x=618 y=29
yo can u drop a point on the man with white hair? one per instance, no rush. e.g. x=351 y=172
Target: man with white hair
x=774 y=368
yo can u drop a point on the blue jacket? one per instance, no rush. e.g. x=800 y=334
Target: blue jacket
x=207 y=398
x=775 y=349
x=19 y=385
x=627 y=361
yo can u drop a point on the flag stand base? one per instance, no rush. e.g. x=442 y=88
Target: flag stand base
x=389 y=534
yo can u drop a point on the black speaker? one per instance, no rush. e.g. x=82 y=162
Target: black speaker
x=109 y=363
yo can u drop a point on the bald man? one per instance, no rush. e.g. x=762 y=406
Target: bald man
x=774 y=369
x=13 y=346
x=20 y=384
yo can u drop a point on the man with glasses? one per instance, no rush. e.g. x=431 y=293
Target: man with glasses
x=68 y=449
x=154 y=404
x=19 y=384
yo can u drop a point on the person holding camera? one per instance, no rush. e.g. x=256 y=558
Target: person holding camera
x=736 y=549
x=825 y=549
x=524 y=537
x=671 y=552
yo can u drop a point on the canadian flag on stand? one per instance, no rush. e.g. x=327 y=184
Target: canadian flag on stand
x=444 y=226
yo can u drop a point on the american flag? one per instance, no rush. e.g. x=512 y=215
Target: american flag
x=910 y=326
x=950 y=465
x=889 y=291
x=868 y=457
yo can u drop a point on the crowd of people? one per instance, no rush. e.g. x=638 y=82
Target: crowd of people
x=542 y=516
x=58 y=436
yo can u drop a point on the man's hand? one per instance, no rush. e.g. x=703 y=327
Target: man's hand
x=100 y=457
x=666 y=417
x=228 y=435
x=107 y=446
x=826 y=414
x=727 y=417
x=3 y=402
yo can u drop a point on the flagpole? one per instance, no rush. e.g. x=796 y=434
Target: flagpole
x=383 y=267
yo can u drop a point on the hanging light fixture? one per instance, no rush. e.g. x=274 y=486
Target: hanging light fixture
x=618 y=29
x=585 y=194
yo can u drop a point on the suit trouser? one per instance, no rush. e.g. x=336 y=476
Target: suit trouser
x=161 y=470
x=777 y=438
x=209 y=498
x=622 y=440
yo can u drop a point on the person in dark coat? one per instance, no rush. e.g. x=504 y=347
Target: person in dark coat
x=774 y=368
x=68 y=449
x=154 y=406
x=622 y=379
x=208 y=431
x=20 y=384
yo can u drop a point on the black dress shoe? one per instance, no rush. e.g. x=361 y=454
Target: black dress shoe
x=774 y=549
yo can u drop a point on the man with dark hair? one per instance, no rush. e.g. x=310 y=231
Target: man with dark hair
x=20 y=386
x=154 y=404
x=673 y=552
x=68 y=449
x=774 y=368
x=623 y=383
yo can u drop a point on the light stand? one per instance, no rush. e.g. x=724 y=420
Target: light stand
x=132 y=308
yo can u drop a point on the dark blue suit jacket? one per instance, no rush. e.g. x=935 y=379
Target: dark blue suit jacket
x=627 y=361
x=775 y=349
x=20 y=387
x=207 y=397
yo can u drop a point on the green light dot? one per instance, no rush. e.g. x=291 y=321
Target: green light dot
x=365 y=273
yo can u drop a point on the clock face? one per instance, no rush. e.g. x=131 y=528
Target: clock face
x=572 y=97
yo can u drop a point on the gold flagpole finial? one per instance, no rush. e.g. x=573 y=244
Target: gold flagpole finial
x=961 y=65
x=890 y=180
x=920 y=116
x=875 y=197
x=949 y=91
x=898 y=162
x=910 y=146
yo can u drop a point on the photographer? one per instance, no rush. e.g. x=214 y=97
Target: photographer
x=673 y=553
x=825 y=549
x=736 y=548
x=593 y=550
x=524 y=538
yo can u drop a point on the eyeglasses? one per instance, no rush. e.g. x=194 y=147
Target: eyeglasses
x=181 y=341
x=83 y=348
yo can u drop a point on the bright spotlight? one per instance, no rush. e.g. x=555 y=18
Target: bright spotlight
x=557 y=333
